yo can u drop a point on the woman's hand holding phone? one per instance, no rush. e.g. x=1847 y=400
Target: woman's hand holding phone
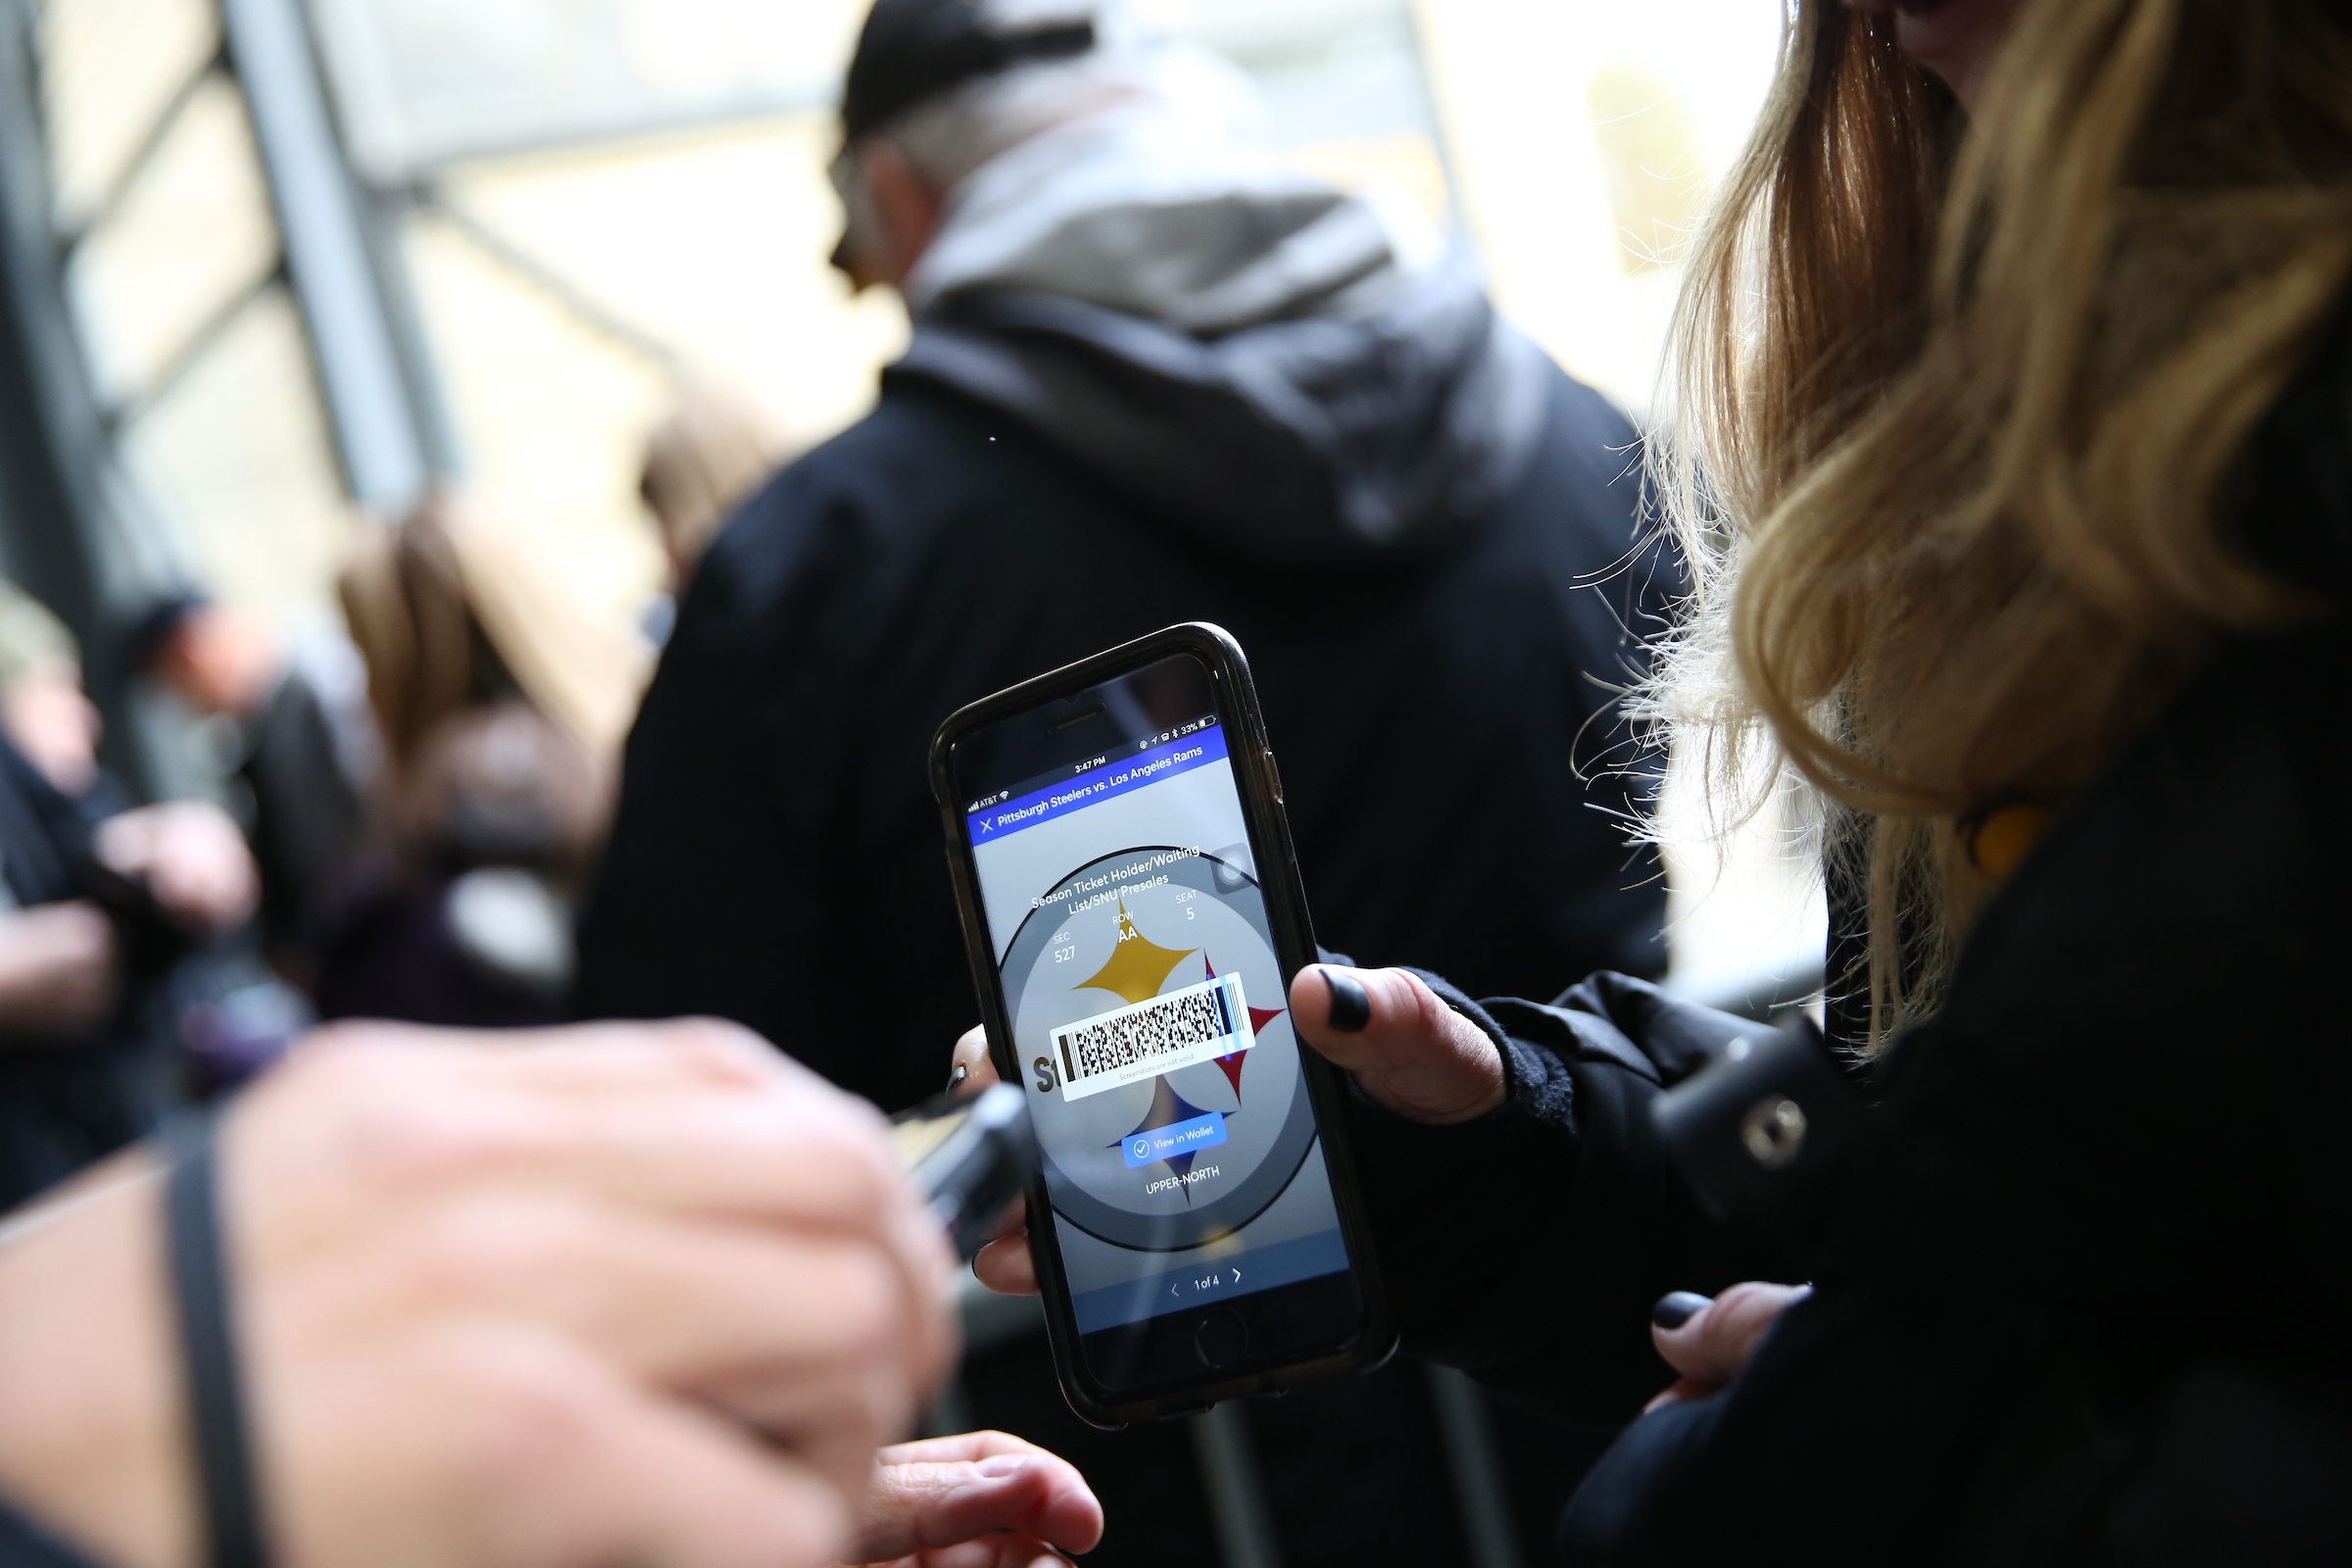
x=1408 y=1050
x=1133 y=799
x=1426 y=1062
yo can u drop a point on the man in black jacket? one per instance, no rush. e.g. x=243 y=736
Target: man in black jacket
x=1156 y=376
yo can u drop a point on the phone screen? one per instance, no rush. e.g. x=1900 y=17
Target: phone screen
x=1149 y=1009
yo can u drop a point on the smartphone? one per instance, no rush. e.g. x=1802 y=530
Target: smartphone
x=1134 y=918
x=969 y=1156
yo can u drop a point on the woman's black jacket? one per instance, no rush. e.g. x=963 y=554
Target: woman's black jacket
x=2083 y=1296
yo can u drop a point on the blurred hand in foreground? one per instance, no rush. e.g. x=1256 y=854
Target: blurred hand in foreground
x=610 y=1294
x=191 y=858
x=61 y=970
x=1406 y=1048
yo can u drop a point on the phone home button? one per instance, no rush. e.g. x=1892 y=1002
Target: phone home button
x=1221 y=1339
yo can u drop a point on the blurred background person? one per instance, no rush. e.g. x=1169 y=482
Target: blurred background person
x=300 y=751
x=101 y=907
x=500 y=703
x=47 y=716
x=1157 y=375
x=711 y=450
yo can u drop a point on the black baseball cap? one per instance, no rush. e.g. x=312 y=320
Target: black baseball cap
x=913 y=50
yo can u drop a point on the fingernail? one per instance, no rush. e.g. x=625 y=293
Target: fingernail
x=958 y=1074
x=1677 y=1307
x=1350 y=1007
x=1002 y=1465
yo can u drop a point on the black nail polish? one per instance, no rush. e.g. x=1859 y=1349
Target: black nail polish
x=1677 y=1307
x=1350 y=1007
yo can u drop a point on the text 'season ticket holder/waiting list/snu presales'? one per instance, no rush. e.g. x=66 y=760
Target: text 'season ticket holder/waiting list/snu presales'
x=1151 y=1014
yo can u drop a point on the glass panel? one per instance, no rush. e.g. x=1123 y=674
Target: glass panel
x=234 y=453
x=1583 y=141
x=1652 y=159
x=193 y=234
x=425 y=82
x=547 y=411
x=109 y=69
x=1263 y=31
x=714 y=245
x=1343 y=83
x=240 y=457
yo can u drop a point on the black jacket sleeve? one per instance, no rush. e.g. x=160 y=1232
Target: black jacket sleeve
x=713 y=897
x=1527 y=1246
x=776 y=858
x=46 y=837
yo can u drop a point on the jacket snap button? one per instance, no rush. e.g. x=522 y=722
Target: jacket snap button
x=1774 y=1132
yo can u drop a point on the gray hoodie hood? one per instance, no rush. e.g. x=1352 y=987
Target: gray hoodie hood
x=1239 y=348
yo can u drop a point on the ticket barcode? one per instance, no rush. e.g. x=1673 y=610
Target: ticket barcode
x=1127 y=1045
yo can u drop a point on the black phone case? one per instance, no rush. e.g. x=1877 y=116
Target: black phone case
x=1260 y=787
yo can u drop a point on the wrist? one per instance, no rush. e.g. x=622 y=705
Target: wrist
x=90 y=1430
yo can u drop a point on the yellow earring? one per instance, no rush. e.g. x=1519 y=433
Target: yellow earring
x=1998 y=841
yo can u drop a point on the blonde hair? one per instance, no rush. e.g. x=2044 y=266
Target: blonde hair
x=1962 y=410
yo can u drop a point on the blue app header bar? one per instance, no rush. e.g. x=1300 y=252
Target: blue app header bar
x=1008 y=818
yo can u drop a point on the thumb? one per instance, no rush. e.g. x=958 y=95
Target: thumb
x=1409 y=1051
x=929 y=1502
x=1710 y=1343
x=969 y=1066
